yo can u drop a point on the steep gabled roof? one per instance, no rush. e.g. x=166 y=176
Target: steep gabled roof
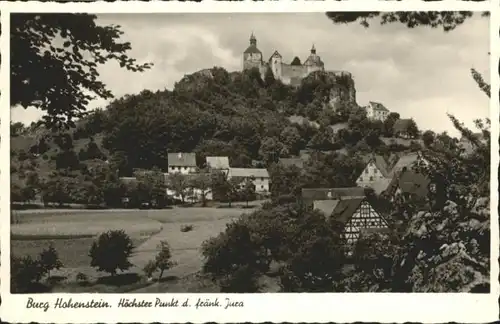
x=252 y=49
x=405 y=161
x=380 y=185
x=378 y=106
x=218 y=162
x=275 y=54
x=296 y=61
x=345 y=209
x=410 y=182
x=182 y=159
x=248 y=172
x=326 y=206
x=379 y=162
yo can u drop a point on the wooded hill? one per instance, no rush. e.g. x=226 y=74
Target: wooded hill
x=214 y=112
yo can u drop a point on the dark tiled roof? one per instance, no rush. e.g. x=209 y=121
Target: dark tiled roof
x=252 y=49
x=296 y=61
x=410 y=182
x=382 y=165
x=345 y=209
x=326 y=206
x=182 y=159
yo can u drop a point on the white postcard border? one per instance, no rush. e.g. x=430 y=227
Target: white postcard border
x=326 y=307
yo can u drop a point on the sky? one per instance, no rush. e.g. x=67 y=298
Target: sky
x=420 y=73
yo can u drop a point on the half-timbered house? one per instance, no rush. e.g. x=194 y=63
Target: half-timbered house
x=356 y=215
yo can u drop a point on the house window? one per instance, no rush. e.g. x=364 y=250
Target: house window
x=185 y=168
x=371 y=178
x=375 y=171
x=366 y=171
x=262 y=187
x=261 y=179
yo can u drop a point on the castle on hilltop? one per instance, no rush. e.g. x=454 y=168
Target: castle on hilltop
x=291 y=73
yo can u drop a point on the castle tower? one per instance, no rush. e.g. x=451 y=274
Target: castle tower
x=313 y=62
x=252 y=56
x=275 y=64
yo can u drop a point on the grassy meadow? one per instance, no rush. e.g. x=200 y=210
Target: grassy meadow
x=72 y=232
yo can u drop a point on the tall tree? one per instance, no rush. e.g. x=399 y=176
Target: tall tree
x=54 y=60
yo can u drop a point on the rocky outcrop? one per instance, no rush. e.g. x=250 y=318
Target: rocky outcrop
x=340 y=85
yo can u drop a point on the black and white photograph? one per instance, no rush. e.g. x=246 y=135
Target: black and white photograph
x=250 y=152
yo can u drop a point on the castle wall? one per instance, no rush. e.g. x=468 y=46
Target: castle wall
x=291 y=73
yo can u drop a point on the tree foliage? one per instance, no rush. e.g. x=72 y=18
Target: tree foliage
x=111 y=252
x=65 y=49
x=447 y=20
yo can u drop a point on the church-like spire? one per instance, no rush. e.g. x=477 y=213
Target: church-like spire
x=253 y=40
x=313 y=50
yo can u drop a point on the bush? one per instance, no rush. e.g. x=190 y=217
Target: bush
x=187 y=228
x=111 y=252
x=162 y=260
x=25 y=272
x=82 y=278
x=304 y=241
x=243 y=280
x=150 y=268
x=49 y=259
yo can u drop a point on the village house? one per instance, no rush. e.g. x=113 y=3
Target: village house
x=219 y=163
x=309 y=195
x=409 y=185
x=402 y=128
x=408 y=160
x=376 y=111
x=260 y=177
x=355 y=215
x=376 y=169
x=184 y=163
